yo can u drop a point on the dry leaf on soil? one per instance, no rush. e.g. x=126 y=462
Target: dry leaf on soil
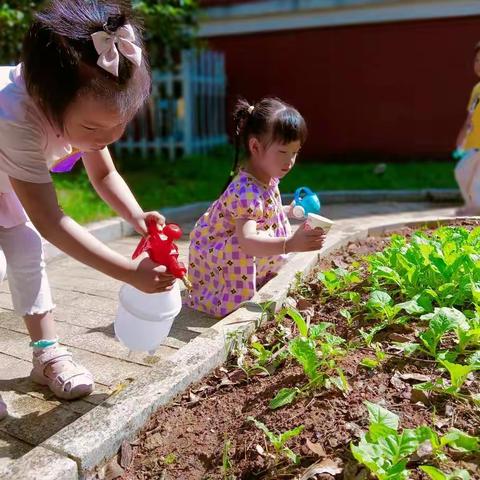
x=417 y=377
x=316 y=448
x=113 y=470
x=397 y=383
x=126 y=454
x=327 y=465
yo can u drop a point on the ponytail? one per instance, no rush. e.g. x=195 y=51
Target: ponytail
x=241 y=115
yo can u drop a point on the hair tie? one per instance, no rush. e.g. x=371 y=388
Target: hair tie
x=106 y=42
x=250 y=109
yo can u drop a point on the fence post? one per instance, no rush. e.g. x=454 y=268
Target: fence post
x=158 y=125
x=188 y=101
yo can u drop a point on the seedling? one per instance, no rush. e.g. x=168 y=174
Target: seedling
x=279 y=441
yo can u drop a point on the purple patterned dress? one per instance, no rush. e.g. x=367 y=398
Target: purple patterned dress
x=222 y=275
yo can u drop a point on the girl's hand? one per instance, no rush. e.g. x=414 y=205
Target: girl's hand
x=139 y=223
x=149 y=277
x=305 y=240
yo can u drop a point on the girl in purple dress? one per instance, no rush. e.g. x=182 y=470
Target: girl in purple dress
x=245 y=236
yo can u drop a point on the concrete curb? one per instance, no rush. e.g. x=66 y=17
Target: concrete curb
x=96 y=436
x=115 y=228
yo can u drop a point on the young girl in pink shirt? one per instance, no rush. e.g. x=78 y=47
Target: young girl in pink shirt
x=83 y=77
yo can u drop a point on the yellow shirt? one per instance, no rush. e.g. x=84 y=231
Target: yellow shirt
x=473 y=137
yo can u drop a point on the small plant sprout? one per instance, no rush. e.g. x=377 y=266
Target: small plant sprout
x=278 y=441
x=380 y=355
x=315 y=349
x=338 y=279
x=226 y=462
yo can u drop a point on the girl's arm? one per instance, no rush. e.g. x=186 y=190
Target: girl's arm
x=462 y=135
x=40 y=203
x=112 y=188
x=257 y=244
x=288 y=210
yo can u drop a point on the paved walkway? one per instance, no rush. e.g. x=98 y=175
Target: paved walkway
x=86 y=305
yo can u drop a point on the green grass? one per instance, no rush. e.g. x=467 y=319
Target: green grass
x=78 y=198
x=198 y=178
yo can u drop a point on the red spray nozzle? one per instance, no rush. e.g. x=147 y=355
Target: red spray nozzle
x=172 y=231
x=161 y=248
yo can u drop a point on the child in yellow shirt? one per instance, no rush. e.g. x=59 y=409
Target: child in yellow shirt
x=467 y=171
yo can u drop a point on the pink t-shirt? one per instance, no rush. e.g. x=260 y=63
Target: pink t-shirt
x=29 y=144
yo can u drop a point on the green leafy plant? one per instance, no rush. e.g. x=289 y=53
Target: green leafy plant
x=380 y=355
x=442 y=321
x=436 y=474
x=338 y=279
x=442 y=266
x=315 y=349
x=262 y=354
x=458 y=373
x=279 y=440
x=303 y=350
x=460 y=441
x=380 y=306
x=384 y=450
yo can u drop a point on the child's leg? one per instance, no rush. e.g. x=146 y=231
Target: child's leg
x=268 y=267
x=52 y=364
x=463 y=175
x=474 y=187
x=40 y=326
x=467 y=174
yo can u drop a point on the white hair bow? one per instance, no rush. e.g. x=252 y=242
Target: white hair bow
x=106 y=46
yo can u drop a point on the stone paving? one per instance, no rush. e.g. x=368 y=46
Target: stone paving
x=86 y=305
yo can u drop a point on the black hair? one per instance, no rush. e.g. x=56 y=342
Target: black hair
x=60 y=60
x=270 y=120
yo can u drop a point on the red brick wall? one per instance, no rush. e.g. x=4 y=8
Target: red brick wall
x=398 y=88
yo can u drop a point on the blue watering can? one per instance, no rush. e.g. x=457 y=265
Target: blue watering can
x=305 y=202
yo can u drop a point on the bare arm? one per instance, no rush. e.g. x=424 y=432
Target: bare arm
x=257 y=244
x=462 y=135
x=40 y=203
x=110 y=185
x=288 y=210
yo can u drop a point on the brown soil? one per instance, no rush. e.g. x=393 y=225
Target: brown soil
x=186 y=439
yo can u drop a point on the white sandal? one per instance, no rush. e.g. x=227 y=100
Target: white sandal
x=66 y=379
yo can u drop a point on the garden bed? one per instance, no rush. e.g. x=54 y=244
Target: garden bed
x=370 y=370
